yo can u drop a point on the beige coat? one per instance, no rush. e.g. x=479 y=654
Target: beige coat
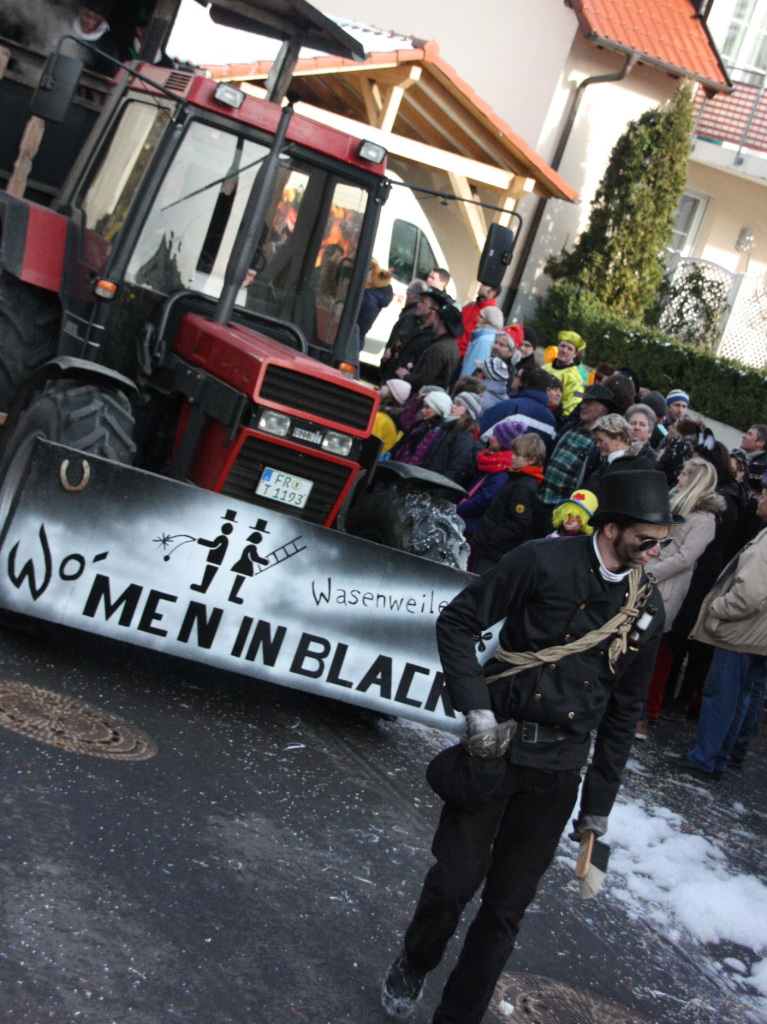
x=673 y=568
x=734 y=613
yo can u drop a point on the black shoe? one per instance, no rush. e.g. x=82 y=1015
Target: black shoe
x=401 y=988
x=684 y=765
x=738 y=765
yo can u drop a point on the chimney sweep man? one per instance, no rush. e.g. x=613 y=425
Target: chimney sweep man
x=576 y=651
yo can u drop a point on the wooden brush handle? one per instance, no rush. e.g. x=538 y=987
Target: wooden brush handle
x=583 y=863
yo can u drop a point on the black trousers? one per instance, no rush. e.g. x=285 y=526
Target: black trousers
x=510 y=842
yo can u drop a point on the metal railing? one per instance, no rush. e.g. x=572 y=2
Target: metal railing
x=739 y=118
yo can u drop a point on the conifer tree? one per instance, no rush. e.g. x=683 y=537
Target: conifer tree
x=619 y=257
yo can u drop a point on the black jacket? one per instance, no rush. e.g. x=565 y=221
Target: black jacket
x=454 y=455
x=550 y=592
x=409 y=353
x=436 y=364
x=508 y=521
x=595 y=480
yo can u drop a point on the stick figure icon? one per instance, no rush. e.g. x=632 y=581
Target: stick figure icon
x=243 y=567
x=218 y=547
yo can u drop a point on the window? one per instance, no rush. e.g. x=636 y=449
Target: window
x=116 y=175
x=404 y=240
x=300 y=271
x=687 y=220
x=741 y=32
x=426 y=258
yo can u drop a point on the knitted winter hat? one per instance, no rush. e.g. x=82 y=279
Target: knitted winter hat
x=439 y=402
x=494 y=368
x=507 y=431
x=493 y=316
x=398 y=389
x=472 y=403
x=677 y=395
x=656 y=401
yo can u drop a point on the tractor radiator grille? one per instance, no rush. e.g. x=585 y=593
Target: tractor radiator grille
x=316 y=397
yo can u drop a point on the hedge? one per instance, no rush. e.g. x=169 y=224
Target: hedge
x=723 y=389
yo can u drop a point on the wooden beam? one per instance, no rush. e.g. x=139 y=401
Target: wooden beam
x=383 y=94
x=28 y=147
x=508 y=202
x=396 y=86
x=419 y=152
x=456 y=113
x=472 y=215
x=521 y=186
x=372 y=108
x=403 y=74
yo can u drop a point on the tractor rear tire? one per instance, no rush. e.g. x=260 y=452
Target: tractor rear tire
x=29 y=332
x=82 y=416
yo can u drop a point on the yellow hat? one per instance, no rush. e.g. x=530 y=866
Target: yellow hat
x=579 y=502
x=573 y=338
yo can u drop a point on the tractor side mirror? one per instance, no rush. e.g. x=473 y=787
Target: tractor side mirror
x=56 y=88
x=496 y=255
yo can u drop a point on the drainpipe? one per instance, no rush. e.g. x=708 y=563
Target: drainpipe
x=535 y=221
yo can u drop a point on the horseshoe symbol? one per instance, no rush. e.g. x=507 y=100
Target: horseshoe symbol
x=65 y=482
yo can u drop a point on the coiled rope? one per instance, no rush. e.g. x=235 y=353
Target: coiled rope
x=618 y=627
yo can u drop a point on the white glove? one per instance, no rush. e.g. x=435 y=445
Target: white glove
x=481 y=720
x=486 y=739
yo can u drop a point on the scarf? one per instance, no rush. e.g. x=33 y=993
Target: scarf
x=89 y=37
x=534 y=471
x=494 y=462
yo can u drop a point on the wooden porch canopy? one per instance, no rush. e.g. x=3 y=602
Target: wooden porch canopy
x=428 y=115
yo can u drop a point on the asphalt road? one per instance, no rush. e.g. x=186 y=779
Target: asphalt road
x=260 y=868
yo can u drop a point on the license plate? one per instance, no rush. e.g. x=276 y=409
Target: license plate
x=279 y=486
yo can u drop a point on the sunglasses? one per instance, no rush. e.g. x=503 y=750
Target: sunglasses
x=650 y=542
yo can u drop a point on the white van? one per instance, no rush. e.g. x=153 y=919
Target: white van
x=406 y=245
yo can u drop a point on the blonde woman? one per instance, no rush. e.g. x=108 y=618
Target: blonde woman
x=612 y=444
x=695 y=500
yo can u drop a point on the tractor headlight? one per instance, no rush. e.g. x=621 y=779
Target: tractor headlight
x=274 y=423
x=338 y=444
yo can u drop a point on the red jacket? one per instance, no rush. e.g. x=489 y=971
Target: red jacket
x=470 y=314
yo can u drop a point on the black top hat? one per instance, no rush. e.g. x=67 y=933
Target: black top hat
x=599 y=393
x=440 y=297
x=635 y=496
x=451 y=317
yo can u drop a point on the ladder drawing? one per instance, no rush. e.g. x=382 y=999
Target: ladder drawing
x=281 y=554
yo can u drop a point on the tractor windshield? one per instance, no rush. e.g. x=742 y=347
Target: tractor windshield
x=302 y=266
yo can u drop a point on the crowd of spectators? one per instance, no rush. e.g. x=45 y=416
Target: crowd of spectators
x=532 y=444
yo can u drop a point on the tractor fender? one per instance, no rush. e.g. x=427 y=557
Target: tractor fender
x=66 y=368
x=415 y=477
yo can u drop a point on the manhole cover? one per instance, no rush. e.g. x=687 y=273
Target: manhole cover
x=526 y=998
x=71 y=724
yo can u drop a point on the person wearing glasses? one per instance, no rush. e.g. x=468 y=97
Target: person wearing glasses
x=592 y=595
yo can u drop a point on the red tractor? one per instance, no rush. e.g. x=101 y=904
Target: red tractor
x=185 y=303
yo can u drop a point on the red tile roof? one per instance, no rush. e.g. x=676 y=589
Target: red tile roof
x=667 y=34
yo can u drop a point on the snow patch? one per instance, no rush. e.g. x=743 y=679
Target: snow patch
x=684 y=883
